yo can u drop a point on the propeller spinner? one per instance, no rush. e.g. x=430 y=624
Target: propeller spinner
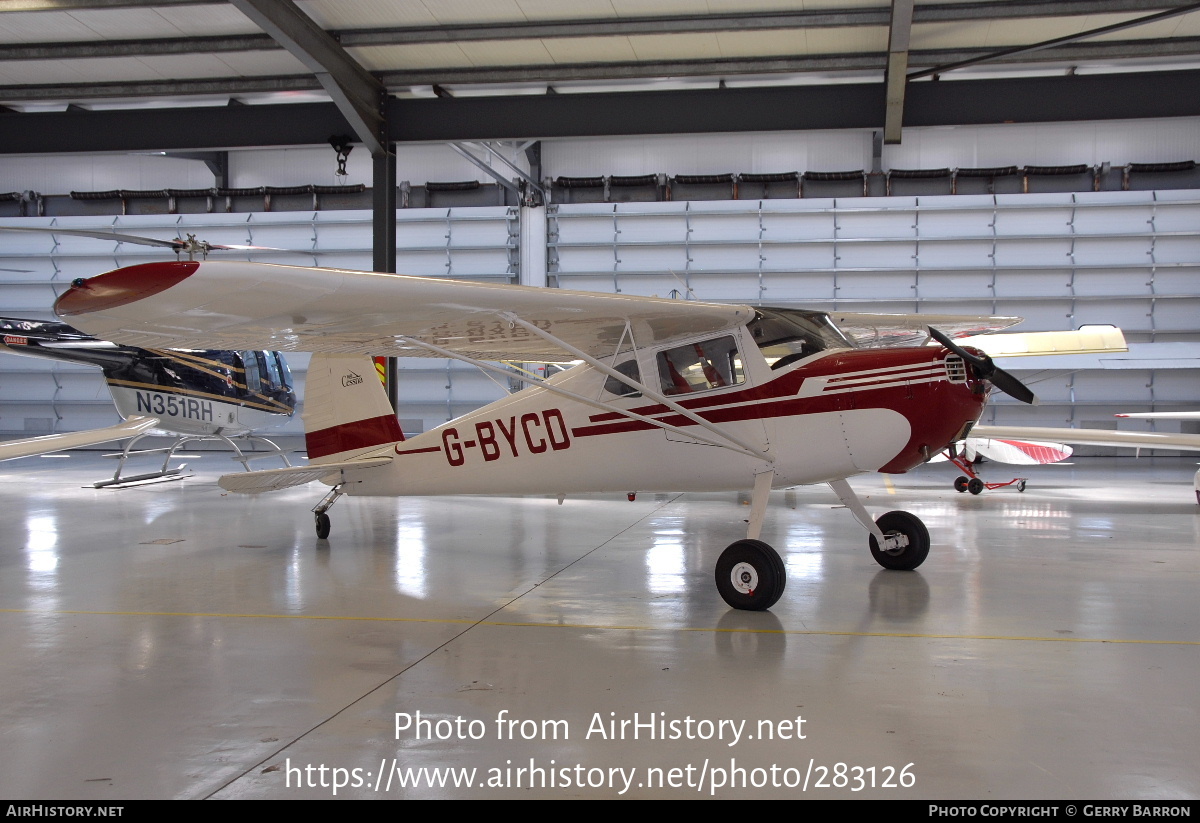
x=986 y=369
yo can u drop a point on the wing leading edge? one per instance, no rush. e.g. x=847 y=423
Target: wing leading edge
x=293 y=308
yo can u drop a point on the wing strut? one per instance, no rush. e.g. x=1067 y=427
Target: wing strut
x=657 y=397
x=579 y=398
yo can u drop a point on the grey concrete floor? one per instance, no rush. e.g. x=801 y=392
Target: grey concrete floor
x=174 y=641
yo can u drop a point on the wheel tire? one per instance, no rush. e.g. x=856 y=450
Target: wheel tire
x=323 y=526
x=1020 y=485
x=975 y=486
x=912 y=555
x=960 y=483
x=751 y=575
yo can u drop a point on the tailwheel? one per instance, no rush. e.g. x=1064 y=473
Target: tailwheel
x=319 y=510
x=907 y=541
x=961 y=482
x=750 y=575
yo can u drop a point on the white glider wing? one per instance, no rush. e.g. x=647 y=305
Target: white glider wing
x=1179 y=415
x=46 y=444
x=1093 y=437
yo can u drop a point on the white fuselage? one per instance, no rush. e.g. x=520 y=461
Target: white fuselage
x=809 y=430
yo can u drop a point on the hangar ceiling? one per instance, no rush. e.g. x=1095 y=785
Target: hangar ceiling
x=81 y=75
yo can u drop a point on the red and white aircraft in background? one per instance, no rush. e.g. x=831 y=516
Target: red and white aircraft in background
x=1029 y=445
x=1169 y=441
x=1012 y=451
x=670 y=396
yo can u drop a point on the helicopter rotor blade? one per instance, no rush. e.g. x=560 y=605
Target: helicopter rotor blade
x=177 y=244
x=100 y=234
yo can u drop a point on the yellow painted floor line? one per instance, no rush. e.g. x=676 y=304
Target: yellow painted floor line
x=599 y=626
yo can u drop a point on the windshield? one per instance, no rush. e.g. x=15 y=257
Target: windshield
x=787 y=335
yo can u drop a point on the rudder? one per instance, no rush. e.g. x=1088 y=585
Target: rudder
x=346 y=410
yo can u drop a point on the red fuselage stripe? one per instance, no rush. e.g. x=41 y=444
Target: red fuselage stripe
x=869 y=365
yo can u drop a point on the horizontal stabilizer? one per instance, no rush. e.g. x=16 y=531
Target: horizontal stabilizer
x=275 y=479
x=75 y=440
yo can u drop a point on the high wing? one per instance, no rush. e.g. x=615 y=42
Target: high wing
x=874 y=330
x=1084 y=340
x=46 y=444
x=1093 y=437
x=869 y=330
x=292 y=308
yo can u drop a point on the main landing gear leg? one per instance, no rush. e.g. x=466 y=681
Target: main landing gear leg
x=750 y=574
x=898 y=540
x=323 y=524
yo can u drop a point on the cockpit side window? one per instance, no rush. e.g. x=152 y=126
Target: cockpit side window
x=253 y=378
x=285 y=374
x=630 y=369
x=274 y=379
x=696 y=367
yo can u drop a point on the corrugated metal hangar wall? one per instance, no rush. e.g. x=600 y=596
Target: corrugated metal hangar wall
x=1050 y=222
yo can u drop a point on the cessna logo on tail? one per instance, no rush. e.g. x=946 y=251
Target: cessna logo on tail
x=351 y=379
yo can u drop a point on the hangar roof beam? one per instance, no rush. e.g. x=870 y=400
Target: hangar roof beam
x=1058 y=41
x=1077 y=52
x=895 y=77
x=358 y=94
x=538 y=30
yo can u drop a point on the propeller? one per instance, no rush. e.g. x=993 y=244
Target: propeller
x=191 y=246
x=986 y=369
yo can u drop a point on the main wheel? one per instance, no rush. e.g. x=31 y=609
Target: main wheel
x=907 y=557
x=750 y=575
x=961 y=482
x=975 y=486
x=323 y=525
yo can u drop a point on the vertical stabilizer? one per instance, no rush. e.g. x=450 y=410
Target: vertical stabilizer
x=346 y=410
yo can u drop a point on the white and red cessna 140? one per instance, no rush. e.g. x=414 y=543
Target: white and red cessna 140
x=671 y=395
